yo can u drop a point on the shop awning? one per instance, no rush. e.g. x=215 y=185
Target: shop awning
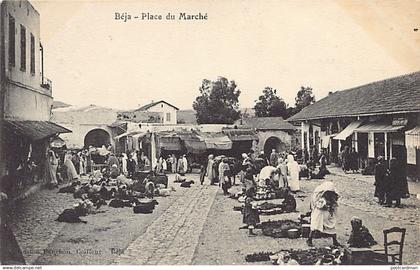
x=348 y=131
x=134 y=134
x=241 y=135
x=412 y=137
x=193 y=143
x=171 y=143
x=216 y=141
x=378 y=127
x=325 y=141
x=36 y=130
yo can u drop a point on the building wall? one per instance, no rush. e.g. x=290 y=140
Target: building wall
x=25 y=99
x=76 y=139
x=90 y=115
x=141 y=116
x=23 y=104
x=283 y=136
x=165 y=109
x=80 y=122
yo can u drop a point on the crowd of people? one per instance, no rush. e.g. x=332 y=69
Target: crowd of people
x=349 y=159
x=280 y=170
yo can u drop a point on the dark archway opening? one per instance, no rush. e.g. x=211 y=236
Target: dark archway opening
x=97 y=138
x=274 y=143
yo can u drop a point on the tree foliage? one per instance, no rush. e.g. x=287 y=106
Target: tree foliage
x=269 y=104
x=218 y=102
x=304 y=98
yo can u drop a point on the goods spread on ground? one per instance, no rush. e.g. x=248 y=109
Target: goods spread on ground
x=120 y=192
x=280 y=228
x=312 y=256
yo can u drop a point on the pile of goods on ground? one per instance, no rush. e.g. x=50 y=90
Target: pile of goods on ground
x=277 y=193
x=183 y=180
x=270 y=193
x=281 y=228
x=312 y=256
x=120 y=192
x=267 y=208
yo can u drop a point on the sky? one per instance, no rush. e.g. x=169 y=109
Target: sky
x=327 y=45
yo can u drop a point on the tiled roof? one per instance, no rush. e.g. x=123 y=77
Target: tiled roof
x=267 y=123
x=241 y=134
x=148 y=106
x=398 y=94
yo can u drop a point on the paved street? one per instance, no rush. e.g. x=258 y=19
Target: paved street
x=194 y=225
x=173 y=237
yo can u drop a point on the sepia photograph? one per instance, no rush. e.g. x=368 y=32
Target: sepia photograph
x=209 y=133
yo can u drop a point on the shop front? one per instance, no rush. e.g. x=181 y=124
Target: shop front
x=381 y=138
x=25 y=146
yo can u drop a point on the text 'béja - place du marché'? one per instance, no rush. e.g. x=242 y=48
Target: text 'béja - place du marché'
x=146 y=16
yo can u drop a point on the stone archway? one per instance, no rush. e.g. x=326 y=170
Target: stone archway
x=274 y=143
x=97 y=137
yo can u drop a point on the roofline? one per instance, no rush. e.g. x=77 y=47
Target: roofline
x=350 y=89
x=294 y=128
x=156 y=103
x=374 y=82
x=353 y=115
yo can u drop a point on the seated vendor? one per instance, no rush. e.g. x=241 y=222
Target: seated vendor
x=289 y=202
x=267 y=177
x=317 y=175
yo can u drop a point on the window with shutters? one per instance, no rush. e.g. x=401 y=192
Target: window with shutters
x=12 y=41
x=22 y=48
x=32 y=54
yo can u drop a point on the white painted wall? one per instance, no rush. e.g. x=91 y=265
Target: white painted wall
x=25 y=99
x=165 y=110
x=81 y=120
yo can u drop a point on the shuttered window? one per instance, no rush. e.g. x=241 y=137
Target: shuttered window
x=12 y=41
x=22 y=48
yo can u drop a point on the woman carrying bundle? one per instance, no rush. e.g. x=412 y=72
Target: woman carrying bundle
x=323 y=212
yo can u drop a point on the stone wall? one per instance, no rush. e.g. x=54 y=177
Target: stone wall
x=283 y=136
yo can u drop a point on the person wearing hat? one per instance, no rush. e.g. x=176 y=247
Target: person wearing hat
x=380 y=180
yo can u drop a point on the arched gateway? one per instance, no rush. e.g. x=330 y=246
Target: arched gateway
x=97 y=138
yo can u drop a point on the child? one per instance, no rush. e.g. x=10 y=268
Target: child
x=250 y=214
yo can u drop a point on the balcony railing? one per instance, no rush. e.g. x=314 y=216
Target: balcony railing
x=46 y=84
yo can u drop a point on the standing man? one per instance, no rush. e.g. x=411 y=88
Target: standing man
x=210 y=173
x=174 y=162
x=380 y=180
x=274 y=157
x=131 y=166
x=224 y=179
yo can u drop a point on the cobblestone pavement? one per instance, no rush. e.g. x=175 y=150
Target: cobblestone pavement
x=173 y=237
x=221 y=242
x=194 y=225
x=33 y=223
x=359 y=195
